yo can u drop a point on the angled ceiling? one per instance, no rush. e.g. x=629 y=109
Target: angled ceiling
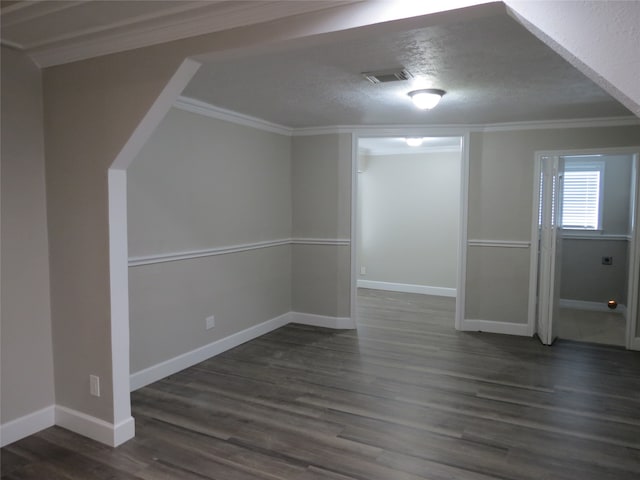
x=60 y=31
x=493 y=69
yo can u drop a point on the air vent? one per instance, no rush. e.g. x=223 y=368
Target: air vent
x=386 y=76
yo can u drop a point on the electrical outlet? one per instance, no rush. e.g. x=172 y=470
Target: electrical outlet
x=363 y=270
x=211 y=322
x=607 y=260
x=94 y=385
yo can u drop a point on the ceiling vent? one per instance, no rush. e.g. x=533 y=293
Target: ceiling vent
x=386 y=76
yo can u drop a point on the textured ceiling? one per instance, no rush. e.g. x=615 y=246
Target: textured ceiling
x=493 y=70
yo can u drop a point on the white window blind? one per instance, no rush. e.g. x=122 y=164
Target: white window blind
x=582 y=190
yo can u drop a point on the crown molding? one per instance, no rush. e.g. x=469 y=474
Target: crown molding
x=566 y=123
x=201 y=108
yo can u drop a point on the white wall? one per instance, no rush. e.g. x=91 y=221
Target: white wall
x=409 y=214
x=27 y=357
x=201 y=183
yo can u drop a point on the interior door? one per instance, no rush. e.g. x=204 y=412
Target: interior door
x=551 y=174
x=556 y=233
x=633 y=282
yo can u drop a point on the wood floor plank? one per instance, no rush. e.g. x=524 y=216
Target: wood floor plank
x=403 y=397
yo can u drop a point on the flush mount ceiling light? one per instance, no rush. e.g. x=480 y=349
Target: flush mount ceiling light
x=414 y=141
x=426 y=98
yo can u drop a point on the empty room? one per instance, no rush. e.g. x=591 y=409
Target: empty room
x=320 y=240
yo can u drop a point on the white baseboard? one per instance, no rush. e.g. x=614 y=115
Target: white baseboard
x=169 y=367
x=592 y=306
x=407 y=288
x=95 y=428
x=27 y=425
x=322 y=321
x=491 y=326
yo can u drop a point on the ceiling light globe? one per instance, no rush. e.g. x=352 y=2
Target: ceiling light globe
x=413 y=141
x=426 y=99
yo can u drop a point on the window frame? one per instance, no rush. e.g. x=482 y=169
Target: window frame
x=584 y=165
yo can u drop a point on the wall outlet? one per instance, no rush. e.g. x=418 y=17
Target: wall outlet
x=363 y=270
x=94 y=385
x=211 y=322
x=607 y=260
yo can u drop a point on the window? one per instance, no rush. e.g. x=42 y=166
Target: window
x=582 y=195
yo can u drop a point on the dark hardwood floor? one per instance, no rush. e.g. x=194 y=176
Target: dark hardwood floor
x=405 y=397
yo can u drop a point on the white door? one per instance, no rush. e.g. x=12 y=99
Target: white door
x=550 y=238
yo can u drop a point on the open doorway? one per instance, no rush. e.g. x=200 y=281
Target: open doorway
x=408 y=217
x=587 y=239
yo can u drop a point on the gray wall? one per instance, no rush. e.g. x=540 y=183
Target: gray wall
x=583 y=276
x=500 y=207
x=409 y=215
x=201 y=183
x=321 y=199
x=84 y=132
x=27 y=356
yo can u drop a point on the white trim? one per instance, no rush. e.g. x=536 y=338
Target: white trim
x=463 y=237
x=491 y=326
x=583 y=236
x=590 y=151
x=423 y=150
x=633 y=281
x=499 y=243
x=345 y=323
x=324 y=130
x=561 y=124
x=26 y=425
x=321 y=241
x=168 y=367
x=426 y=131
x=353 y=254
x=123 y=427
x=533 y=254
x=119 y=293
x=632 y=342
x=436 y=130
x=206 y=109
x=212 y=111
x=156 y=113
x=591 y=306
x=95 y=428
x=244 y=247
x=210 y=252
x=407 y=288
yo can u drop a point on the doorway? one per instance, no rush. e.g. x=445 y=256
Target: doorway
x=587 y=246
x=407 y=212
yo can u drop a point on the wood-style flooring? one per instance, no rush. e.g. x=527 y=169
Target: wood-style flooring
x=405 y=397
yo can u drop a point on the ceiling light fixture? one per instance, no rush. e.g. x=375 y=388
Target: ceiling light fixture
x=426 y=98
x=414 y=141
